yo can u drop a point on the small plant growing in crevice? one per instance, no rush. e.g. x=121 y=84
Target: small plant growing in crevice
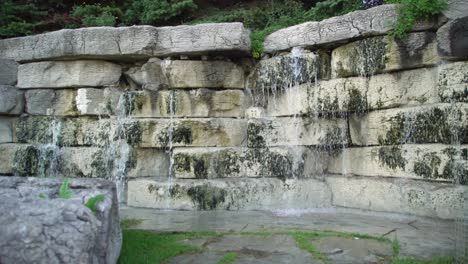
x=64 y=191
x=93 y=201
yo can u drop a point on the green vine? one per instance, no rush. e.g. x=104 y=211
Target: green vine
x=412 y=11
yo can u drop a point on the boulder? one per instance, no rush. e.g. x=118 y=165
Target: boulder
x=402 y=196
x=65 y=74
x=129 y=43
x=383 y=54
x=229 y=194
x=11 y=100
x=452 y=82
x=421 y=161
x=456 y=9
x=439 y=123
x=452 y=39
x=56 y=230
x=277 y=162
x=8 y=72
x=363 y=23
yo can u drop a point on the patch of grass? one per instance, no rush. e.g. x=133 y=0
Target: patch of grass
x=303 y=242
x=64 y=191
x=93 y=201
x=435 y=260
x=228 y=258
x=140 y=246
x=396 y=247
x=130 y=222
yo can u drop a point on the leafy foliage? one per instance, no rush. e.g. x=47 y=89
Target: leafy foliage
x=413 y=10
x=155 y=12
x=64 y=191
x=96 y=15
x=93 y=201
x=18 y=19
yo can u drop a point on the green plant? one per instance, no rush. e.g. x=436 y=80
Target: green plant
x=155 y=12
x=42 y=196
x=64 y=191
x=396 y=247
x=435 y=260
x=228 y=258
x=130 y=222
x=412 y=11
x=96 y=15
x=93 y=201
x=18 y=18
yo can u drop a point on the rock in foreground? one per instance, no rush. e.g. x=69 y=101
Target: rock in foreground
x=39 y=227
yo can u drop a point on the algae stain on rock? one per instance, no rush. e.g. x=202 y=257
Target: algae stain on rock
x=207 y=197
x=392 y=157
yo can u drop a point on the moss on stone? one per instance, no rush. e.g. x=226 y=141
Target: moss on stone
x=357 y=101
x=175 y=190
x=132 y=132
x=255 y=137
x=392 y=157
x=25 y=161
x=207 y=197
x=200 y=169
x=182 y=162
x=99 y=167
x=428 y=166
x=228 y=163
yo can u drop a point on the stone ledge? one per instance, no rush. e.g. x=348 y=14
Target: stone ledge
x=129 y=43
x=420 y=198
x=363 y=23
x=427 y=161
x=238 y=194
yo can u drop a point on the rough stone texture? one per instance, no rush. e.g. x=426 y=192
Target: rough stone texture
x=456 y=9
x=357 y=94
x=92 y=101
x=54 y=230
x=203 y=74
x=297 y=131
x=288 y=70
x=7 y=125
x=372 y=22
x=11 y=100
x=51 y=102
x=452 y=39
x=8 y=72
x=452 y=82
x=430 y=161
x=127 y=43
x=439 y=123
x=383 y=54
x=237 y=194
x=279 y=162
x=150 y=76
x=57 y=74
x=398 y=196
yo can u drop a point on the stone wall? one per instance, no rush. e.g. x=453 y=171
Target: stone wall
x=336 y=113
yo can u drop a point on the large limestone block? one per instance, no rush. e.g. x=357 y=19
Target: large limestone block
x=8 y=72
x=278 y=162
x=297 y=131
x=452 y=39
x=108 y=101
x=11 y=100
x=18 y=159
x=439 y=123
x=357 y=94
x=203 y=74
x=383 y=54
x=371 y=22
x=452 y=82
x=54 y=230
x=51 y=102
x=437 y=200
x=229 y=194
x=7 y=124
x=287 y=70
x=57 y=74
x=431 y=161
x=127 y=43
x=150 y=76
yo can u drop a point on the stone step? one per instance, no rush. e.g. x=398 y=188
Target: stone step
x=384 y=54
x=438 y=123
x=355 y=94
x=438 y=200
x=430 y=161
x=129 y=43
x=278 y=162
x=371 y=22
x=156 y=74
x=111 y=162
x=235 y=194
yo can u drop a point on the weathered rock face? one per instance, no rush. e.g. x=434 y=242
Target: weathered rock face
x=57 y=74
x=234 y=194
x=8 y=72
x=11 y=100
x=452 y=82
x=383 y=54
x=6 y=129
x=452 y=39
x=126 y=43
x=372 y=22
x=51 y=102
x=55 y=230
x=456 y=9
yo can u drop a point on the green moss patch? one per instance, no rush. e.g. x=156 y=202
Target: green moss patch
x=207 y=197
